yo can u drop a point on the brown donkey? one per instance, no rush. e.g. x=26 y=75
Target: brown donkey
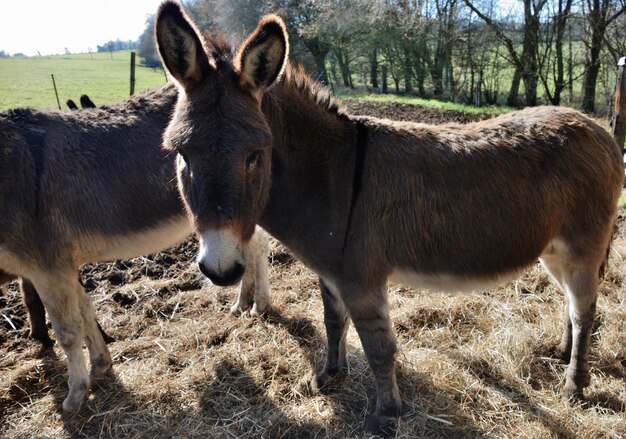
x=92 y=185
x=362 y=200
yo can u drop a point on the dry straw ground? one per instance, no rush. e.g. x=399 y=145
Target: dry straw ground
x=474 y=365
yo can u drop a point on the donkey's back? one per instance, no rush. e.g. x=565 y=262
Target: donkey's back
x=86 y=181
x=485 y=200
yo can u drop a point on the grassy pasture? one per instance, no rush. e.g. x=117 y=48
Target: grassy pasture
x=105 y=77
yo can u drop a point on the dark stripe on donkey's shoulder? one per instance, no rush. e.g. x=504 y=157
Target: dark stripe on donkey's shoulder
x=357 y=180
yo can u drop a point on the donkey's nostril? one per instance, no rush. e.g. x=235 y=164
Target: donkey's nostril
x=225 y=278
x=204 y=270
x=237 y=272
x=232 y=276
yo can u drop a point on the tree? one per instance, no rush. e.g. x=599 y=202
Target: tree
x=600 y=14
x=555 y=32
x=526 y=63
x=146 y=47
x=441 y=67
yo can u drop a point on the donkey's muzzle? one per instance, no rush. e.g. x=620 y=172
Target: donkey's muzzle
x=221 y=257
x=224 y=279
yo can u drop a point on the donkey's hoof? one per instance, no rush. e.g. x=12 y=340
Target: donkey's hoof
x=258 y=310
x=238 y=309
x=382 y=426
x=44 y=339
x=560 y=353
x=319 y=383
x=101 y=367
x=572 y=395
x=74 y=399
x=325 y=381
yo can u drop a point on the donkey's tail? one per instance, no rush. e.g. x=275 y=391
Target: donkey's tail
x=604 y=266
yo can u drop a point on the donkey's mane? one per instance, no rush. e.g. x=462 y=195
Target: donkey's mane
x=219 y=48
x=296 y=79
x=142 y=101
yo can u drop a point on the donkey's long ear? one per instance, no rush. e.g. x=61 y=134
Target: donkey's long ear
x=180 y=45
x=263 y=57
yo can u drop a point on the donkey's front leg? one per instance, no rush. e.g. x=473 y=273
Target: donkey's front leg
x=370 y=314
x=245 y=298
x=260 y=248
x=336 y=322
x=255 y=284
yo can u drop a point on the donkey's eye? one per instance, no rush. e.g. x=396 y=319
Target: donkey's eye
x=185 y=159
x=252 y=160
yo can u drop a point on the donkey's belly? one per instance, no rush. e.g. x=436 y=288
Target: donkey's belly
x=452 y=283
x=143 y=242
x=11 y=263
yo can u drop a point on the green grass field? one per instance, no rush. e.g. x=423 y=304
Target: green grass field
x=105 y=77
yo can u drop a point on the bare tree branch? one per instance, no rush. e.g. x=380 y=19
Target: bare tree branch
x=499 y=33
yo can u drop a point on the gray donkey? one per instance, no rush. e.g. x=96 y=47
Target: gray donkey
x=361 y=200
x=93 y=185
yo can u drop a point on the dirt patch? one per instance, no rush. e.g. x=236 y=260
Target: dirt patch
x=469 y=366
x=409 y=112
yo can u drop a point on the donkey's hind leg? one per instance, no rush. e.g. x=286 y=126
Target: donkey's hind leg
x=36 y=314
x=65 y=301
x=551 y=260
x=579 y=278
x=99 y=355
x=581 y=289
x=336 y=322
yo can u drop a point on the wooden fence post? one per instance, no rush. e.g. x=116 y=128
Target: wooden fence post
x=618 y=121
x=383 y=80
x=54 y=84
x=132 y=73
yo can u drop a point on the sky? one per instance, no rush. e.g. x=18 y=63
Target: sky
x=49 y=26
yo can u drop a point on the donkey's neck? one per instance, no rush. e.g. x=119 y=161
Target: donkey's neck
x=315 y=158
x=305 y=119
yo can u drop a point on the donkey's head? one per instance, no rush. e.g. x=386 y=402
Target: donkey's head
x=220 y=133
